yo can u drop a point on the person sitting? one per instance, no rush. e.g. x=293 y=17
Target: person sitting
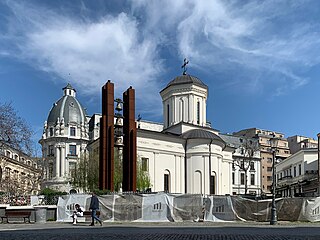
x=78 y=212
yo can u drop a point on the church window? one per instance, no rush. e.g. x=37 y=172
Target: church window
x=181 y=106
x=233 y=178
x=212 y=184
x=51 y=131
x=72 y=131
x=198 y=112
x=51 y=149
x=73 y=150
x=299 y=169
x=144 y=164
x=166 y=178
x=168 y=114
x=242 y=179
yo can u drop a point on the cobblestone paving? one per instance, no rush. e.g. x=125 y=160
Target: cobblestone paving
x=154 y=233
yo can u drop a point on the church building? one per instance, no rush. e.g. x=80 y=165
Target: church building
x=182 y=155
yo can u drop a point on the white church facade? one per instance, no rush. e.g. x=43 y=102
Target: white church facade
x=182 y=155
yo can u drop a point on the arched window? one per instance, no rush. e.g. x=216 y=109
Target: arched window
x=198 y=112
x=168 y=114
x=213 y=183
x=166 y=179
x=181 y=110
x=197 y=184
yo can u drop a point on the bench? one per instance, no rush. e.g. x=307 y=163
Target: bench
x=87 y=216
x=17 y=214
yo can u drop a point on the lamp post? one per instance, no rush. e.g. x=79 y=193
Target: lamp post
x=273 y=144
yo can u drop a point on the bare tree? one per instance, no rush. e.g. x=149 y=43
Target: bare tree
x=85 y=175
x=246 y=155
x=14 y=131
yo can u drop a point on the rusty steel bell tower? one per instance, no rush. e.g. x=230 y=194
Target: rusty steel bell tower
x=107 y=139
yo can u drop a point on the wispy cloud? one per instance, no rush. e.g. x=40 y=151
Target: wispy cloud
x=85 y=52
x=264 y=40
x=259 y=37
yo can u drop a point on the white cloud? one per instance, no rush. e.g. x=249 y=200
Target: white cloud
x=261 y=40
x=88 y=53
x=255 y=36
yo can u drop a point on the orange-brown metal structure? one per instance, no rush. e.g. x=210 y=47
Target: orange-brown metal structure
x=130 y=142
x=106 y=156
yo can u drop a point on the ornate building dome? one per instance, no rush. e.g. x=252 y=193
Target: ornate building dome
x=67 y=108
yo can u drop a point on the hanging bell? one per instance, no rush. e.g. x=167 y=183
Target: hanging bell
x=119 y=106
x=119 y=122
x=119 y=141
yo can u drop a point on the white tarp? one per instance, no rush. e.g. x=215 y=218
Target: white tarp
x=65 y=206
x=310 y=210
x=156 y=208
x=163 y=207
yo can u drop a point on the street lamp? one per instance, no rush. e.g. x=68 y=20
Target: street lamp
x=273 y=144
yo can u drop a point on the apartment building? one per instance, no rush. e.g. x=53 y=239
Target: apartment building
x=282 y=152
x=297 y=143
x=20 y=174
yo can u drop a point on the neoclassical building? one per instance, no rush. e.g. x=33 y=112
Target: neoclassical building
x=184 y=154
x=20 y=174
x=64 y=139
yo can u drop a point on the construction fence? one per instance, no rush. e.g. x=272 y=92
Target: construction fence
x=165 y=207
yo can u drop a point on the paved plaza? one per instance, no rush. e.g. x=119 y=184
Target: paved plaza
x=223 y=231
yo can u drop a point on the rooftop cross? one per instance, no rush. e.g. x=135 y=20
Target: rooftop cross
x=184 y=66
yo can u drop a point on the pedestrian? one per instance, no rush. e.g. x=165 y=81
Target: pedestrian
x=78 y=212
x=94 y=206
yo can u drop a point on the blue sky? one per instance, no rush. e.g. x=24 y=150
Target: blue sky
x=260 y=59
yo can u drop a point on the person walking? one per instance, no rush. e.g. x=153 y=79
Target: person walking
x=94 y=206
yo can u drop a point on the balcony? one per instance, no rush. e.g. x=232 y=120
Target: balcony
x=288 y=180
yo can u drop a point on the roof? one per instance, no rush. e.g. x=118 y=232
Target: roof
x=68 y=87
x=69 y=109
x=202 y=134
x=185 y=79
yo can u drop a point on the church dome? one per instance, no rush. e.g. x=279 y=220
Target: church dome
x=186 y=79
x=67 y=108
x=203 y=134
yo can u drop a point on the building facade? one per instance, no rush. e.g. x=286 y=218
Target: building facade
x=19 y=173
x=246 y=169
x=297 y=175
x=282 y=152
x=297 y=143
x=64 y=140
